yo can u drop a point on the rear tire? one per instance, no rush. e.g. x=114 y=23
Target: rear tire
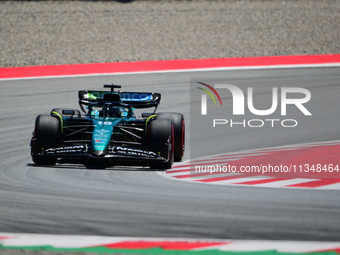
x=177 y=120
x=46 y=135
x=159 y=132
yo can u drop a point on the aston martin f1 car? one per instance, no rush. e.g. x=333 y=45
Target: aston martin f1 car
x=108 y=131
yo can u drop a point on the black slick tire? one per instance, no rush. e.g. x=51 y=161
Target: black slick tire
x=46 y=135
x=159 y=132
x=177 y=120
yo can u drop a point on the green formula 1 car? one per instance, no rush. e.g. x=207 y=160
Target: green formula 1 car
x=109 y=133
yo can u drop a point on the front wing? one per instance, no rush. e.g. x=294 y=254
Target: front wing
x=114 y=153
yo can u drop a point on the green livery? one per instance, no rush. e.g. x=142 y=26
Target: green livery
x=107 y=132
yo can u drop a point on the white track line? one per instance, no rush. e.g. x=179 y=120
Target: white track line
x=241 y=180
x=283 y=183
x=334 y=186
x=279 y=246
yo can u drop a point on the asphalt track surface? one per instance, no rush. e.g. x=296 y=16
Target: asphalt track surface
x=125 y=201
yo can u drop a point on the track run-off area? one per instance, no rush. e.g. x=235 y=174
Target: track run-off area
x=299 y=212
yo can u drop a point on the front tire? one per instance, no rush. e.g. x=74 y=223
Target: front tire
x=160 y=133
x=46 y=135
x=177 y=120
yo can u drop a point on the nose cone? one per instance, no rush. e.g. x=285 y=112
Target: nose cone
x=101 y=137
x=98 y=153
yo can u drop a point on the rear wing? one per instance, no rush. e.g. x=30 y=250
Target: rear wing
x=135 y=99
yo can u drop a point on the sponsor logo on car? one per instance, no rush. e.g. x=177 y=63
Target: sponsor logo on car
x=134 y=152
x=70 y=149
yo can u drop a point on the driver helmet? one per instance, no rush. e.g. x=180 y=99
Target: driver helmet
x=114 y=112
